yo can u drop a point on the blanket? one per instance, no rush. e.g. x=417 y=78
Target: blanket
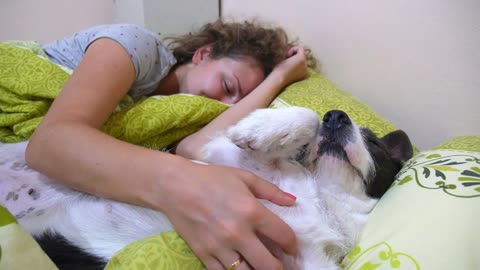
x=29 y=83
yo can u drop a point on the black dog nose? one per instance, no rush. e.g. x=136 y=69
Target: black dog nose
x=336 y=119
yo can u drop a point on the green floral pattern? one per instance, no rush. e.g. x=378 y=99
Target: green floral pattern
x=379 y=256
x=28 y=85
x=428 y=218
x=164 y=251
x=444 y=171
x=157 y=122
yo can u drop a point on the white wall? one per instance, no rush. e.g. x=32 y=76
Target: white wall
x=47 y=20
x=167 y=17
x=416 y=62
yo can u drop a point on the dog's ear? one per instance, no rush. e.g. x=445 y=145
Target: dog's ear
x=399 y=144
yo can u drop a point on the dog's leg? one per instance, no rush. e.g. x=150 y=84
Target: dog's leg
x=279 y=133
x=269 y=134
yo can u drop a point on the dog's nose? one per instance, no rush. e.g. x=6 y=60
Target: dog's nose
x=336 y=119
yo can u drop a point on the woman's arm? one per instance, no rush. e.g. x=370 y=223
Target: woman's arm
x=292 y=69
x=69 y=147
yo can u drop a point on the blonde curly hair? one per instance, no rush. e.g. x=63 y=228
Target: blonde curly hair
x=267 y=45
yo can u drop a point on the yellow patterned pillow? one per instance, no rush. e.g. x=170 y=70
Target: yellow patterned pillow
x=429 y=218
x=156 y=122
x=319 y=94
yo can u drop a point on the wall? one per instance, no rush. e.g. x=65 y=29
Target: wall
x=47 y=20
x=166 y=17
x=416 y=62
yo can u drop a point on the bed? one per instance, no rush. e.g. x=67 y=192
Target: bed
x=427 y=220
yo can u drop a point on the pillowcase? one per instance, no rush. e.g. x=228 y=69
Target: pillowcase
x=157 y=122
x=18 y=250
x=319 y=94
x=428 y=219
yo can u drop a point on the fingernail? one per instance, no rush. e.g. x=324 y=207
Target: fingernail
x=290 y=195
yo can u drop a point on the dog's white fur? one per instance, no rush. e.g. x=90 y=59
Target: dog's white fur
x=330 y=210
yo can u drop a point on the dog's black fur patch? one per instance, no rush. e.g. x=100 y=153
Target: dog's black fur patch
x=388 y=153
x=67 y=256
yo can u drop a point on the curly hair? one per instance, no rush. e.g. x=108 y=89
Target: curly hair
x=268 y=46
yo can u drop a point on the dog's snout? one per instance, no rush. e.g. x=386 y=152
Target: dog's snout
x=336 y=119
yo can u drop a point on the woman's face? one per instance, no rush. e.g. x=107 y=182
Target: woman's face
x=225 y=79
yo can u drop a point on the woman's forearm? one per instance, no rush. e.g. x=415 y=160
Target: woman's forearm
x=96 y=163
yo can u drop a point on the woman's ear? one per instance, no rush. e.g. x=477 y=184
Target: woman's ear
x=201 y=54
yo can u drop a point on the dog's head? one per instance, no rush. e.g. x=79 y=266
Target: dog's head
x=347 y=152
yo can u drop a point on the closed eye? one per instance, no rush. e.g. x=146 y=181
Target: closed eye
x=374 y=142
x=227 y=89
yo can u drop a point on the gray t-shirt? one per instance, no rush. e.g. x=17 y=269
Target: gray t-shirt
x=152 y=60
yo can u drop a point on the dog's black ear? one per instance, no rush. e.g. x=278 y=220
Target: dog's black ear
x=399 y=144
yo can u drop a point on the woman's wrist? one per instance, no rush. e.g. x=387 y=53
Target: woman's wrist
x=278 y=79
x=164 y=181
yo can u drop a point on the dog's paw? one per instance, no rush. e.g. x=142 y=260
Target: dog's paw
x=275 y=131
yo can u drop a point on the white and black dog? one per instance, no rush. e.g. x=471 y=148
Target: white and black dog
x=336 y=169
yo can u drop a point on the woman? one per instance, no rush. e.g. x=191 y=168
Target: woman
x=214 y=208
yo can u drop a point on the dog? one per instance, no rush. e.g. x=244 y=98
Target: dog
x=337 y=170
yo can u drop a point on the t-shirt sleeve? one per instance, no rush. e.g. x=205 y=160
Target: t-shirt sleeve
x=151 y=59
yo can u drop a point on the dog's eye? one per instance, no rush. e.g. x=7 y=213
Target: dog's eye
x=374 y=142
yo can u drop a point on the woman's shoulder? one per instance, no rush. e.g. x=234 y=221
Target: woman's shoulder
x=123 y=31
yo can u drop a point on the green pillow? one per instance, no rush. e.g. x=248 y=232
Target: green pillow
x=319 y=94
x=157 y=122
x=429 y=218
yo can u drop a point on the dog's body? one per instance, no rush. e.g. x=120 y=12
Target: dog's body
x=335 y=169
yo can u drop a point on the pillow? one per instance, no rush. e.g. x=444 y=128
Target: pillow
x=157 y=122
x=428 y=219
x=319 y=94
x=18 y=250
x=169 y=251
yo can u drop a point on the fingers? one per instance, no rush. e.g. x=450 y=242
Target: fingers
x=257 y=255
x=278 y=231
x=270 y=224
x=295 y=50
x=243 y=266
x=229 y=259
x=268 y=191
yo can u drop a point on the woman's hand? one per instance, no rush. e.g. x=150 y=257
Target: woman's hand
x=215 y=209
x=293 y=68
